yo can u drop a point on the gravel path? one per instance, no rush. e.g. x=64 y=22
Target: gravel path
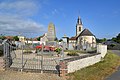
x=13 y=75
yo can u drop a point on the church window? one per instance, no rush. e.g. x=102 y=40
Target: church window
x=79 y=28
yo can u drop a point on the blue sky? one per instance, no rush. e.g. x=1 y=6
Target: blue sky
x=31 y=17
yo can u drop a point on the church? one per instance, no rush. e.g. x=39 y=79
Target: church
x=83 y=39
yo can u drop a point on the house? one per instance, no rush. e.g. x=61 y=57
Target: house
x=43 y=38
x=21 y=38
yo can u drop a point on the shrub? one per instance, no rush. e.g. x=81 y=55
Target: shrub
x=27 y=52
x=112 y=45
x=58 y=50
x=72 y=54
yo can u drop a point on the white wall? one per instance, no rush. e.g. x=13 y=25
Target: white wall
x=89 y=39
x=36 y=42
x=82 y=63
x=102 y=49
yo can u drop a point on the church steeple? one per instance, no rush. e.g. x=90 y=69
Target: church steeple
x=79 y=26
x=79 y=20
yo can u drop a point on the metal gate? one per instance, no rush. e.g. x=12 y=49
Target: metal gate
x=26 y=58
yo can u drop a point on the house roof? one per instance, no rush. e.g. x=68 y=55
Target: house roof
x=85 y=32
x=73 y=38
x=42 y=36
x=9 y=37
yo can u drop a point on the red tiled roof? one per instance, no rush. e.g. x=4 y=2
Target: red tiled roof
x=9 y=37
x=42 y=36
x=73 y=38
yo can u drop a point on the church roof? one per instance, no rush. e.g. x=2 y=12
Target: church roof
x=85 y=32
x=73 y=38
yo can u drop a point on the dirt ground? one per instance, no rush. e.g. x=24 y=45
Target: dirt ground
x=15 y=75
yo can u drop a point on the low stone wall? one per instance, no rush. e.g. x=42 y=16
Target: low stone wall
x=102 y=49
x=82 y=63
x=73 y=64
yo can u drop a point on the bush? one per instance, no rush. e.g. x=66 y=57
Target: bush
x=27 y=52
x=58 y=50
x=72 y=54
x=112 y=45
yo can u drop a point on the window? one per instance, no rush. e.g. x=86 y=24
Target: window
x=79 y=28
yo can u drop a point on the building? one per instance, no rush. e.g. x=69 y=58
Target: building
x=51 y=34
x=21 y=38
x=65 y=42
x=84 y=38
x=44 y=38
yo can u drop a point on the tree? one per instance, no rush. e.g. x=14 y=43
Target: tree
x=38 y=38
x=16 y=38
x=56 y=39
x=60 y=40
x=117 y=38
x=2 y=37
x=104 y=39
x=114 y=39
x=101 y=40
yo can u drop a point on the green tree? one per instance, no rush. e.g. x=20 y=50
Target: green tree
x=38 y=38
x=60 y=40
x=118 y=38
x=104 y=39
x=16 y=38
x=56 y=39
x=2 y=37
x=114 y=39
x=101 y=40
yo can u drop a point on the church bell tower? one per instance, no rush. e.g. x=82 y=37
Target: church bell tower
x=79 y=26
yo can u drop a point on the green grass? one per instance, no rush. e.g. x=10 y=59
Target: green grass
x=98 y=71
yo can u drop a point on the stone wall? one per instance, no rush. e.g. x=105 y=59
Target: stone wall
x=74 y=64
x=82 y=63
x=102 y=49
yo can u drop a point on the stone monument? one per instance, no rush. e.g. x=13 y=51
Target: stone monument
x=51 y=35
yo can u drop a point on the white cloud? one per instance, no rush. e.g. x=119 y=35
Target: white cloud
x=16 y=24
x=21 y=7
x=14 y=17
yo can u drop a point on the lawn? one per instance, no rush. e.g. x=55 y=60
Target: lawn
x=98 y=71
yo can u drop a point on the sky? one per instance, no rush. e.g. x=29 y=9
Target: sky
x=30 y=18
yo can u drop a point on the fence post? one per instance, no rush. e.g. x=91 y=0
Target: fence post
x=42 y=58
x=63 y=68
x=4 y=55
x=22 y=59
